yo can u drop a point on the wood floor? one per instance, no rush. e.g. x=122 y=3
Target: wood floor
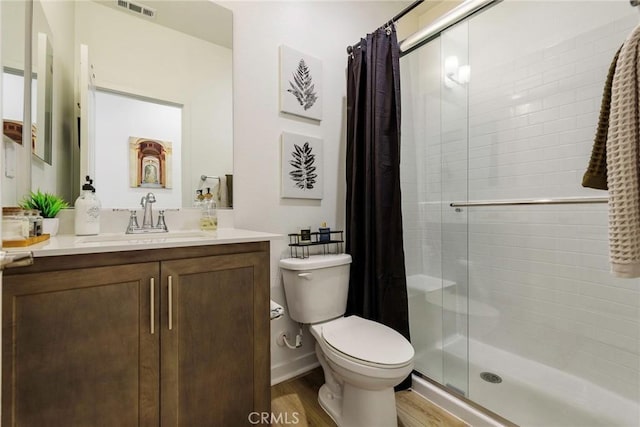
x=297 y=400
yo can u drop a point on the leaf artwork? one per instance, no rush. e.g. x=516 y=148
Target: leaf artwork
x=303 y=89
x=303 y=175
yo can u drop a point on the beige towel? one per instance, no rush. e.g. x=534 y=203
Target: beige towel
x=623 y=162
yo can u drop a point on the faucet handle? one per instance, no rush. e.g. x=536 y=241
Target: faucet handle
x=133 y=221
x=161 y=224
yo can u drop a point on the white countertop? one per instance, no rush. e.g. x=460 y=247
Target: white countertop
x=68 y=244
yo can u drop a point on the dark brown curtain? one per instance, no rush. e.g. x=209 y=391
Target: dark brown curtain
x=377 y=286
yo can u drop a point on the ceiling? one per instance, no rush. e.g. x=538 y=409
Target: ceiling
x=199 y=18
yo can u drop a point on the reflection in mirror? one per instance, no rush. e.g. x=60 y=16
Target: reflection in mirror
x=175 y=60
x=13 y=50
x=42 y=99
x=153 y=131
x=42 y=84
x=12 y=103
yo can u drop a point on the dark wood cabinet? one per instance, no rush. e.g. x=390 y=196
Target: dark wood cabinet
x=209 y=359
x=171 y=338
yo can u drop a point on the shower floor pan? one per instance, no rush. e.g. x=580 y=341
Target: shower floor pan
x=530 y=394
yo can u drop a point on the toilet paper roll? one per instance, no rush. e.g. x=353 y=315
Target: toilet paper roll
x=276 y=310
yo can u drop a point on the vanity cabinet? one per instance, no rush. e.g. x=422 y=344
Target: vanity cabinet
x=167 y=337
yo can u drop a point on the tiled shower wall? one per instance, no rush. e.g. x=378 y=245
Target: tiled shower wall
x=537 y=72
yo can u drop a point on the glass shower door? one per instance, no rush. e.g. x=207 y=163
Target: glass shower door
x=454 y=74
x=547 y=318
x=434 y=168
x=514 y=306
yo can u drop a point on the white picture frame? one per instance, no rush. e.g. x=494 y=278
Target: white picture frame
x=300 y=84
x=302 y=167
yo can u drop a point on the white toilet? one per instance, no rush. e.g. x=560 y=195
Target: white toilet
x=362 y=360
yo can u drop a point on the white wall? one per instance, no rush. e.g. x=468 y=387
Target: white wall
x=323 y=30
x=167 y=65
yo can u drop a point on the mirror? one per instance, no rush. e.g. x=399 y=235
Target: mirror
x=144 y=54
x=41 y=84
x=13 y=52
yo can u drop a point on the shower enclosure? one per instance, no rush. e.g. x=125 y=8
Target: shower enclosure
x=513 y=306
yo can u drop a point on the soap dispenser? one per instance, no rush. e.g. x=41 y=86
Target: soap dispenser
x=87 y=210
x=209 y=216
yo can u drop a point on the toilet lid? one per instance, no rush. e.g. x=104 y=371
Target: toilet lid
x=368 y=341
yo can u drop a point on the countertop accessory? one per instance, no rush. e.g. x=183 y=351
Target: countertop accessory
x=147 y=218
x=299 y=247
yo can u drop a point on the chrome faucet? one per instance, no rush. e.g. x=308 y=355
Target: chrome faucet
x=147 y=218
x=145 y=202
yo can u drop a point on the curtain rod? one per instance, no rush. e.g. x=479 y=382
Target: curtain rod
x=402 y=13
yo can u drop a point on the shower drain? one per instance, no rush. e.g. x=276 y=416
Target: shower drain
x=491 y=377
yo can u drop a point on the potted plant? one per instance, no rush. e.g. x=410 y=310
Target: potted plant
x=49 y=205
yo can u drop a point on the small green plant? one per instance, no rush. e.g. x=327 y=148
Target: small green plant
x=48 y=204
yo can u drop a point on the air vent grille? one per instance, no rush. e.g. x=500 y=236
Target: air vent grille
x=137 y=8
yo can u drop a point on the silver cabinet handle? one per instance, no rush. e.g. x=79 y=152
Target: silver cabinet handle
x=152 y=305
x=15 y=259
x=170 y=292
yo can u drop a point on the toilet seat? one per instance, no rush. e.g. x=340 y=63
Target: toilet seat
x=367 y=342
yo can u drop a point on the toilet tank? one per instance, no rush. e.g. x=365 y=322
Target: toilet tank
x=316 y=288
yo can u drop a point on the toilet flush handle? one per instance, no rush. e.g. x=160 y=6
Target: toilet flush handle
x=307 y=276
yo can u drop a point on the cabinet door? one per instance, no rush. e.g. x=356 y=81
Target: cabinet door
x=78 y=348
x=215 y=332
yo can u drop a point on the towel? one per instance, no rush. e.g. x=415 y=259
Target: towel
x=623 y=162
x=596 y=174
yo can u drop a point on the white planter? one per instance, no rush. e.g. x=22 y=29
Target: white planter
x=50 y=226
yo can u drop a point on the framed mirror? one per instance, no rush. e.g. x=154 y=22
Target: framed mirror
x=41 y=84
x=13 y=88
x=173 y=68
x=170 y=52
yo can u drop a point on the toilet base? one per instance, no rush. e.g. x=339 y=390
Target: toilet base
x=331 y=403
x=360 y=408
x=351 y=406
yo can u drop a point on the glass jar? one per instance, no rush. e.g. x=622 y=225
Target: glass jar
x=15 y=225
x=35 y=222
x=208 y=216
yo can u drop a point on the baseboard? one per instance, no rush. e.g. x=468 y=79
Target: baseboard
x=293 y=368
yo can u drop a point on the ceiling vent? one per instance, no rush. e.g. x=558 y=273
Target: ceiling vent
x=137 y=8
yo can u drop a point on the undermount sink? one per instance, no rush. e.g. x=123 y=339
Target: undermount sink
x=147 y=237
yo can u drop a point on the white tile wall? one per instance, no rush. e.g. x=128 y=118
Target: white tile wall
x=533 y=104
